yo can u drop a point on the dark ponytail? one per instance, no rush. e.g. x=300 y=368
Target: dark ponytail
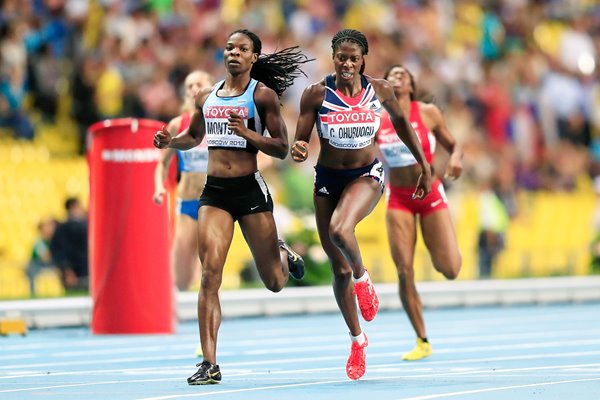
x=278 y=70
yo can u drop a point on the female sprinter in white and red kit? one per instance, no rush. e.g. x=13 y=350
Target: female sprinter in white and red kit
x=436 y=224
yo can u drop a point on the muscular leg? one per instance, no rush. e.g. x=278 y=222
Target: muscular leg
x=402 y=237
x=215 y=232
x=186 y=262
x=260 y=233
x=358 y=200
x=342 y=273
x=440 y=239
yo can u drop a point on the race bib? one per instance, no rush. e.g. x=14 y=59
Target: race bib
x=397 y=154
x=217 y=126
x=195 y=159
x=353 y=129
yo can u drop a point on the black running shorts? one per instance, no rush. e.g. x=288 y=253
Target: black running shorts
x=238 y=196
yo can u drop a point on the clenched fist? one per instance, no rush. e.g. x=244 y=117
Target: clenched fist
x=162 y=138
x=299 y=151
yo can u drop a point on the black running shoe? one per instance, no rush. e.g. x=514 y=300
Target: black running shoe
x=207 y=374
x=295 y=262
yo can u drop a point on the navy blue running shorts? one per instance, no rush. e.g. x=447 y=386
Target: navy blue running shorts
x=331 y=182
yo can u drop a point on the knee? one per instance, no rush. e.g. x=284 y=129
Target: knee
x=181 y=284
x=274 y=285
x=451 y=275
x=406 y=275
x=406 y=283
x=404 y=268
x=453 y=268
x=211 y=281
x=342 y=274
x=339 y=235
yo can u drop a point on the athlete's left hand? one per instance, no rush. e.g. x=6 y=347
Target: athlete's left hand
x=454 y=168
x=423 y=183
x=237 y=126
x=299 y=151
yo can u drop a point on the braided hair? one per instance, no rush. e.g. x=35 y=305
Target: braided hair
x=413 y=85
x=277 y=70
x=352 y=36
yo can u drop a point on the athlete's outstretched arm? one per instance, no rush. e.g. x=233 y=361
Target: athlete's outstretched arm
x=385 y=94
x=312 y=97
x=160 y=174
x=267 y=102
x=162 y=166
x=190 y=137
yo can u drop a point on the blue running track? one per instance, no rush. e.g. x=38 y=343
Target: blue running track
x=522 y=352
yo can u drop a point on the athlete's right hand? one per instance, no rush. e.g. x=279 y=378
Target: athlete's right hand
x=423 y=183
x=162 y=138
x=158 y=195
x=299 y=151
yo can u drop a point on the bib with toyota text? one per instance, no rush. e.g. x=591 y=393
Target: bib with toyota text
x=216 y=112
x=349 y=122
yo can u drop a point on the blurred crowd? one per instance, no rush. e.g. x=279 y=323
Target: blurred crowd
x=517 y=80
x=62 y=246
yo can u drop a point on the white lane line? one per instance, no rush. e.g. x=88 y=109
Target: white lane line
x=261 y=388
x=517 y=336
x=384 y=329
x=497 y=389
x=154 y=348
x=299 y=349
x=427 y=375
x=384 y=345
x=423 y=372
x=341 y=358
x=117 y=371
x=106 y=349
x=95 y=362
x=20 y=356
x=255 y=389
x=87 y=384
x=465 y=325
x=394 y=343
x=95 y=341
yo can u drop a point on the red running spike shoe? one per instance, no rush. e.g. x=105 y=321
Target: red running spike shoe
x=356 y=365
x=368 y=302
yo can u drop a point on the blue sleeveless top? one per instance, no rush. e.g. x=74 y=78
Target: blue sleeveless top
x=216 y=112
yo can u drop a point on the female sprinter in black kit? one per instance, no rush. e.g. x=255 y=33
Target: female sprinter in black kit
x=234 y=116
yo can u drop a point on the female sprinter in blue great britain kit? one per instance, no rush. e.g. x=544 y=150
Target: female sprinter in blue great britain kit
x=346 y=107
